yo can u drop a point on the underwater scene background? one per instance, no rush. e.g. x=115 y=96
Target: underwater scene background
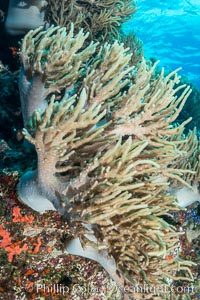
x=170 y=32
x=93 y=129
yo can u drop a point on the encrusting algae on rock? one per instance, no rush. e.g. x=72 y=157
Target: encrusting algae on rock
x=42 y=268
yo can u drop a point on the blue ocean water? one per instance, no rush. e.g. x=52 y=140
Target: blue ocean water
x=170 y=31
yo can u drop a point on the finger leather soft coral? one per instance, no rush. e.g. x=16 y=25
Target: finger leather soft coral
x=107 y=152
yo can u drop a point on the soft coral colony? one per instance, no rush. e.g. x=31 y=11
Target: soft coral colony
x=111 y=159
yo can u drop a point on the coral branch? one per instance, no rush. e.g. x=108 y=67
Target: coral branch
x=108 y=150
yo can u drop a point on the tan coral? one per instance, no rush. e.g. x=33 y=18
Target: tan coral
x=102 y=19
x=105 y=160
x=189 y=160
x=135 y=45
x=51 y=61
